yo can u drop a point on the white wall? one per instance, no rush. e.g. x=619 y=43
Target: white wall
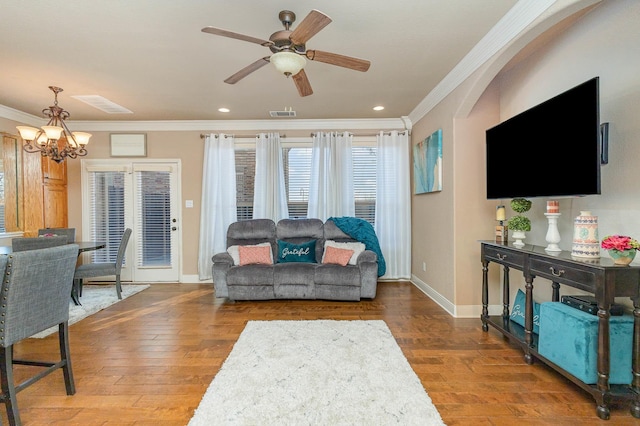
x=603 y=42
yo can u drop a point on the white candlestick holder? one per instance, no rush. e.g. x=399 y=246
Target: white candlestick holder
x=553 y=235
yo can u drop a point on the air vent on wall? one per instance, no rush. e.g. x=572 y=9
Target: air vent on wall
x=288 y=112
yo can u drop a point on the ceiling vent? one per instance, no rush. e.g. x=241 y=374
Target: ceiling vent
x=103 y=104
x=288 y=112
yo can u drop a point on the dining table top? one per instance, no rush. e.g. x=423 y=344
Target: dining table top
x=82 y=246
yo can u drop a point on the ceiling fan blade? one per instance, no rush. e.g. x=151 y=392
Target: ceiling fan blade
x=339 y=60
x=310 y=26
x=302 y=83
x=247 y=70
x=231 y=34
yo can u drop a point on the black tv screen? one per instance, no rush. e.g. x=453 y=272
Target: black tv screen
x=550 y=150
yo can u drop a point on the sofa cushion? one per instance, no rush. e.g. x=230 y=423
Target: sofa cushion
x=290 y=252
x=517 y=312
x=355 y=246
x=252 y=232
x=336 y=255
x=234 y=251
x=298 y=231
x=250 y=275
x=255 y=255
x=333 y=274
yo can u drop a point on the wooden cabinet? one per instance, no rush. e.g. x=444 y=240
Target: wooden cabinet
x=600 y=277
x=12 y=175
x=45 y=193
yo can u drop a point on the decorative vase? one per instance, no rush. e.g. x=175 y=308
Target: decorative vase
x=585 y=236
x=518 y=236
x=623 y=257
x=553 y=235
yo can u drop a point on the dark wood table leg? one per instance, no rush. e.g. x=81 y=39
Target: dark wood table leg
x=603 y=360
x=528 y=319
x=505 y=293
x=485 y=295
x=635 y=361
x=555 y=294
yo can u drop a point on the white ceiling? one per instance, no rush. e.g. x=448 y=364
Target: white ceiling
x=151 y=57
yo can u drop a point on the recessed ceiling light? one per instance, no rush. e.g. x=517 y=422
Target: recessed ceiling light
x=224 y=109
x=378 y=108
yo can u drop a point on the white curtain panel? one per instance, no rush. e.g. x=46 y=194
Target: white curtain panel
x=393 y=204
x=331 y=185
x=269 y=193
x=218 y=209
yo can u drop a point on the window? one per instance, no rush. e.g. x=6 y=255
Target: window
x=297 y=175
x=297 y=169
x=245 y=176
x=364 y=182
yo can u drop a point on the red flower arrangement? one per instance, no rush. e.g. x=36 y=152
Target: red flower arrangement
x=620 y=243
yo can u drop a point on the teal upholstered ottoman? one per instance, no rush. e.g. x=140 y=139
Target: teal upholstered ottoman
x=569 y=338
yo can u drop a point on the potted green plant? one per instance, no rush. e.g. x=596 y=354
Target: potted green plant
x=519 y=224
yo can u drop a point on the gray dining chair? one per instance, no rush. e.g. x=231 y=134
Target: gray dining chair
x=69 y=232
x=33 y=243
x=102 y=269
x=35 y=288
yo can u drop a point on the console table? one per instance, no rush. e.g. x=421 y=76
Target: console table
x=600 y=277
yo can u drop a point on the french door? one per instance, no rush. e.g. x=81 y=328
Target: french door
x=143 y=196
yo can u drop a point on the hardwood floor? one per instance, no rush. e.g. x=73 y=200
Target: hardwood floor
x=149 y=359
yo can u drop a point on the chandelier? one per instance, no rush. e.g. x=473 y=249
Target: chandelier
x=55 y=140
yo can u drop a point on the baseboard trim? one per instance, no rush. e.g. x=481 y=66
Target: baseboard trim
x=464 y=311
x=434 y=295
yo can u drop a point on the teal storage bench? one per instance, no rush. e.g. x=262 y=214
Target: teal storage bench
x=569 y=338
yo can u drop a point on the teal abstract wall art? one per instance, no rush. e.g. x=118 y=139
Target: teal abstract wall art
x=427 y=164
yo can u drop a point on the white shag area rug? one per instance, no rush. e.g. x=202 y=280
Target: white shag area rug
x=94 y=298
x=321 y=372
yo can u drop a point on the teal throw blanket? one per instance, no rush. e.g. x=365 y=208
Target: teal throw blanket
x=361 y=230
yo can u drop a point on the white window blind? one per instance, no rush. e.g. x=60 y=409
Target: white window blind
x=364 y=182
x=297 y=171
x=245 y=178
x=107 y=200
x=153 y=224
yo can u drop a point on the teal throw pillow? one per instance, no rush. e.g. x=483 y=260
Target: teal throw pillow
x=305 y=252
x=517 y=311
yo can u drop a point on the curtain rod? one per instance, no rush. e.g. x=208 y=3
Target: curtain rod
x=369 y=134
x=202 y=136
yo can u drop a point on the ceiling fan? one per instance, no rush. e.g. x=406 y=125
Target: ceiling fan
x=289 y=50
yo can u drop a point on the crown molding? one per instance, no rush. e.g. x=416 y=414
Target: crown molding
x=21 y=117
x=241 y=125
x=523 y=13
x=401 y=123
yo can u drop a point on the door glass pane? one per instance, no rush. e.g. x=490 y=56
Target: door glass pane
x=107 y=191
x=153 y=201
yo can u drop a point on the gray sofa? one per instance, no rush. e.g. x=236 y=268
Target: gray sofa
x=295 y=280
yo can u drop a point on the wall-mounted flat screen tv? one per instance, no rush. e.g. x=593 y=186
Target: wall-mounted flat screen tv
x=550 y=150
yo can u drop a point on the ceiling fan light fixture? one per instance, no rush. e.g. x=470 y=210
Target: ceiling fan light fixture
x=288 y=63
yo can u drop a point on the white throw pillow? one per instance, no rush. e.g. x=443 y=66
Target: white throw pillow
x=235 y=252
x=356 y=247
